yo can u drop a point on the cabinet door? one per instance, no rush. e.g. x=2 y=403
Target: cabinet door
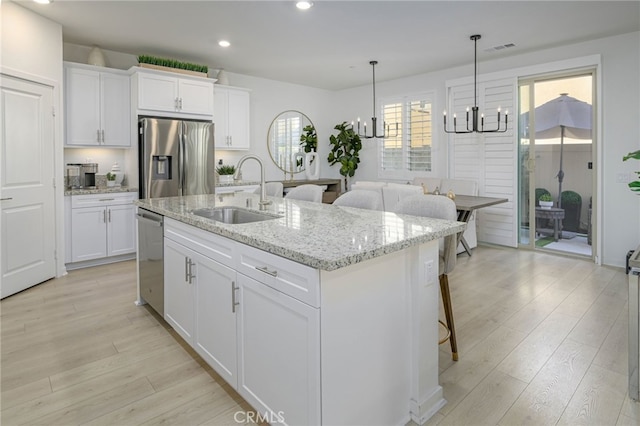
x=88 y=233
x=115 y=118
x=121 y=230
x=195 y=97
x=179 y=311
x=216 y=317
x=157 y=92
x=238 y=119
x=82 y=107
x=279 y=353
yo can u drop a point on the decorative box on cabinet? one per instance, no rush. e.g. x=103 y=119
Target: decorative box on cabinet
x=102 y=225
x=97 y=104
x=165 y=92
x=231 y=118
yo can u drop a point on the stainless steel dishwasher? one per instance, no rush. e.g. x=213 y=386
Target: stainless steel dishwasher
x=151 y=258
x=634 y=325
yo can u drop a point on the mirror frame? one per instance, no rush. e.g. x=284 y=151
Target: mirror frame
x=288 y=166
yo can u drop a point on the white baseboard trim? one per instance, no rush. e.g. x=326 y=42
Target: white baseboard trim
x=101 y=261
x=422 y=411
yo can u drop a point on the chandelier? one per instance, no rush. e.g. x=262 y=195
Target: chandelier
x=474 y=109
x=374 y=120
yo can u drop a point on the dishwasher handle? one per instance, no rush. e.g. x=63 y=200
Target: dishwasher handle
x=153 y=222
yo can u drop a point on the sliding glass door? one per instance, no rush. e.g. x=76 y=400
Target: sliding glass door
x=555 y=135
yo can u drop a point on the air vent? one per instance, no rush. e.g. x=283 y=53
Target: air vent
x=500 y=47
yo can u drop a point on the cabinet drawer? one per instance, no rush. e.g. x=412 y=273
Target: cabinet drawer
x=213 y=246
x=96 y=200
x=294 y=279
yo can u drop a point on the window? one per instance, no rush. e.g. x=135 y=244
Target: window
x=407 y=152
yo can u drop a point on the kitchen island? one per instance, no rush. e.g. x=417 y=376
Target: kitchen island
x=319 y=315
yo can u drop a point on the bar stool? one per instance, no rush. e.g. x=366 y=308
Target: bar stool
x=439 y=207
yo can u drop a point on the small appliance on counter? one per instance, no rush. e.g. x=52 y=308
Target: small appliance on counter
x=87 y=178
x=73 y=176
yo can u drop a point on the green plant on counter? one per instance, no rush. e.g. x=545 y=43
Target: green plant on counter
x=635 y=185
x=172 y=63
x=226 y=170
x=545 y=197
x=111 y=176
x=345 y=147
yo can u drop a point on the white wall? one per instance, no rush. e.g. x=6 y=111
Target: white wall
x=32 y=49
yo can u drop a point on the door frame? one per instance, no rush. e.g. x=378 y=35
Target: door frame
x=531 y=82
x=58 y=158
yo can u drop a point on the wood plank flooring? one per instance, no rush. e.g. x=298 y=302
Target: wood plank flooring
x=542 y=341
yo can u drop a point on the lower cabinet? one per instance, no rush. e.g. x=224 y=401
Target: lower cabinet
x=263 y=342
x=278 y=353
x=102 y=225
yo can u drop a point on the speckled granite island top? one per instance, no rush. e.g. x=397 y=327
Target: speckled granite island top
x=318 y=235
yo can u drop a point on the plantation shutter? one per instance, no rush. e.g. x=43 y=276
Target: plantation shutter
x=488 y=158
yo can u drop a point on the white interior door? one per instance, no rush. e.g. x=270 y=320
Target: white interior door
x=27 y=216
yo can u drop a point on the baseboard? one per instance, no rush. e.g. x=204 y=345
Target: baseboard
x=101 y=261
x=422 y=411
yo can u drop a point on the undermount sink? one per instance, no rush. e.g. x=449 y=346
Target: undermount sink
x=233 y=215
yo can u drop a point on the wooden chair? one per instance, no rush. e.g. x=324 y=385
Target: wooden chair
x=360 y=198
x=307 y=192
x=440 y=207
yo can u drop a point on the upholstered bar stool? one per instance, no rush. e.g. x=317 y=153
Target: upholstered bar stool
x=439 y=207
x=307 y=192
x=360 y=198
x=273 y=189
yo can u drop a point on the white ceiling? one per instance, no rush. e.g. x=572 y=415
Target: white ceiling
x=330 y=45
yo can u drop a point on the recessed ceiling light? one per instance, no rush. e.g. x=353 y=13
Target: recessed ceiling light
x=224 y=43
x=43 y=1
x=304 y=5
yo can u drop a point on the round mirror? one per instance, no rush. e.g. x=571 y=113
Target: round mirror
x=291 y=135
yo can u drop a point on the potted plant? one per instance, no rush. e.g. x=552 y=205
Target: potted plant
x=572 y=204
x=225 y=173
x=111 y=179
x=634 y=185
x=545 y=200
x=344 y=150
x=308 y=142
x=148 y=61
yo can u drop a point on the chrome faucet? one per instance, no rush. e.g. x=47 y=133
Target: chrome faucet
x=263 y=190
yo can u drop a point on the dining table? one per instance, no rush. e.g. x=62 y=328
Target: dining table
x=467 y=204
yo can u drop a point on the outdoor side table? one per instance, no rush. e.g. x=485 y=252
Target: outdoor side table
x=554 y=214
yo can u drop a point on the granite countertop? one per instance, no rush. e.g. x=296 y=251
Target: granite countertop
x=237 y=183
x=318 y=235
x=99 y=190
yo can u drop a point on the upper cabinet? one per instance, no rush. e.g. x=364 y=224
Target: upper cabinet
x=97 y=104
x=231 y=118
x=164 y=93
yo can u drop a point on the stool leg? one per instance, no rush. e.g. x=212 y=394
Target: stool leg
x=448 y=313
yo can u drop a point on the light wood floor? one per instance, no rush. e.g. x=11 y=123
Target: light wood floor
x=542 y=341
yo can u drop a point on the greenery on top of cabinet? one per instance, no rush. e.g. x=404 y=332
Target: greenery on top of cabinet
x=172 y=63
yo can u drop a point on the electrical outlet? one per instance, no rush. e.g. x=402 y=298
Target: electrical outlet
x=624 y=177
x=429 y=272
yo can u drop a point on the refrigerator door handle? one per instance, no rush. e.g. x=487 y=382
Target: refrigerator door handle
x=181 y=162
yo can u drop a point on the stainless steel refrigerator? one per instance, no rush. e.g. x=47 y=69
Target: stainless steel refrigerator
x=176 y=157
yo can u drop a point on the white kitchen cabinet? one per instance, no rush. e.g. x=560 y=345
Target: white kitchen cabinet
x=97 y=107
x=279 y=353
x=164 y=92
x=231 y=118
x=249 y=328
x=102 y=225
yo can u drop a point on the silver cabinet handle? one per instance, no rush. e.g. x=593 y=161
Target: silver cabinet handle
x=102 y=133
x=109 y=215
x=180 y=103
x=106 y=199
x=191 y=276
x=264 y=269
x=104 y=216
x=234 y=303
x=6 y=199
x=98 y=135
x=175 y=103
x=186 y=269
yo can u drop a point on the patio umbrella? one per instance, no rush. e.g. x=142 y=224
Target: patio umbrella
x=560 y=117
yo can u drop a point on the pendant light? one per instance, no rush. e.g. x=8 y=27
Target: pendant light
x=474 y=109
x=374 y=120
